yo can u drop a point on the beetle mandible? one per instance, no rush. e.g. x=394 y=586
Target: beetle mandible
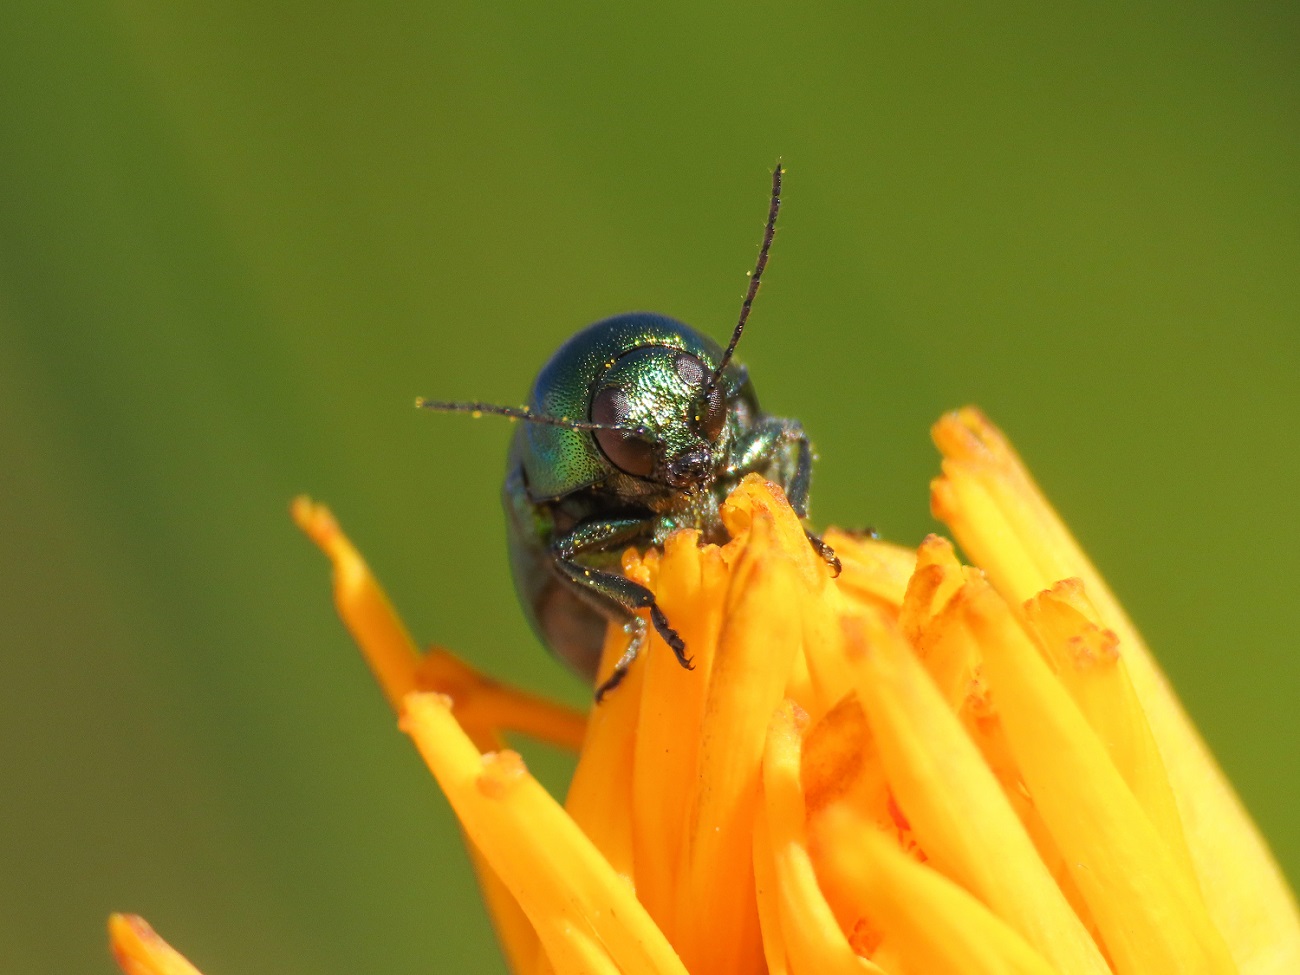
x=636 y=427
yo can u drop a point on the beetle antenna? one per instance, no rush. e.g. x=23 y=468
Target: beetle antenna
x=754 y=278
x=519 y=413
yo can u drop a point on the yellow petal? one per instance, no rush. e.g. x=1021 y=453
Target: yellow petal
x=1087 y=661
x=936 y=926
x=955 y=807
x=769 y=905
x=1150 y=913
x=932 y=622
x=484 y=707
x=1004 y=523
x=872 y=569
x=140 y=951
x=513 y=929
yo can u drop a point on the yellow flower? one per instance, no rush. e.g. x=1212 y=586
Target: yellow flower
x=918 y=767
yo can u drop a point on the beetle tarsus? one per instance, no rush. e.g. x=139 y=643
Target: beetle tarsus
x=826 y=552
x=670 y=636
x=624 y=662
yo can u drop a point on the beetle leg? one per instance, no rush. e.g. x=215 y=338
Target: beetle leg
x=629 y=596
x=825 y=551
x=770 y=444
x=636 y=629
x=621 y=595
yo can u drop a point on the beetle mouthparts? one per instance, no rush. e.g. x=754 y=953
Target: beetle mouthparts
x=690 y=468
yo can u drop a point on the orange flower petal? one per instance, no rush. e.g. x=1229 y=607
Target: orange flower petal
x=514 y=931
x=603 y=779
x=363 y=605
x=755 y=653
x=872 y=569
x=931 y=620
x=817 y=946
x=769 y=905
x=484 y=706
x=692 y=590
x=1087 y=661
x=1002 y=520
x=140 y=951
x=573 y=897
x=936 y=926
x=1149 y=912
x=955 y=807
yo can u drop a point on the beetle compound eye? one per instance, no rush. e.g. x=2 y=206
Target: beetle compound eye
x=690 y=370
x=714 y=416
x=626 y=451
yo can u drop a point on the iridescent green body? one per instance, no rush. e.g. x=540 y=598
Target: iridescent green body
x=575 y=498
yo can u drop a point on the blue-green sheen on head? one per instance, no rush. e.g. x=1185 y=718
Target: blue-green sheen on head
x=636 y=353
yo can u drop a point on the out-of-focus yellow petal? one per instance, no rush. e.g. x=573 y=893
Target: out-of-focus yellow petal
x=483 y=706
x=140 y=951
x=955 y=807
x=937 y=927
x=1002 y=520
x=1150 y=912
x=363 y=605
x=561 y=881
x=872 y=569
x=817 y=946
x=514 y=931
x=769 y=905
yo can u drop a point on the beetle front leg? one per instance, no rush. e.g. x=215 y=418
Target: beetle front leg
x=771 y=442
x=611 y=591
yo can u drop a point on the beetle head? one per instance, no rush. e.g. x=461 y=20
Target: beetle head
x=658 y=420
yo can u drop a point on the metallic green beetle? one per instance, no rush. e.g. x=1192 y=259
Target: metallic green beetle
x=637 y=426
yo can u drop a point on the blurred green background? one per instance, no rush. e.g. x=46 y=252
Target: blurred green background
x=236 y=240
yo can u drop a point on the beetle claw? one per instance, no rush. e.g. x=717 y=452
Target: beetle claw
x=670 y=636
x=826 y=552
x=636 y=630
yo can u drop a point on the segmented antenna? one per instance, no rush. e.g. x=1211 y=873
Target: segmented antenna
x=520 y=413
x=753 y=278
